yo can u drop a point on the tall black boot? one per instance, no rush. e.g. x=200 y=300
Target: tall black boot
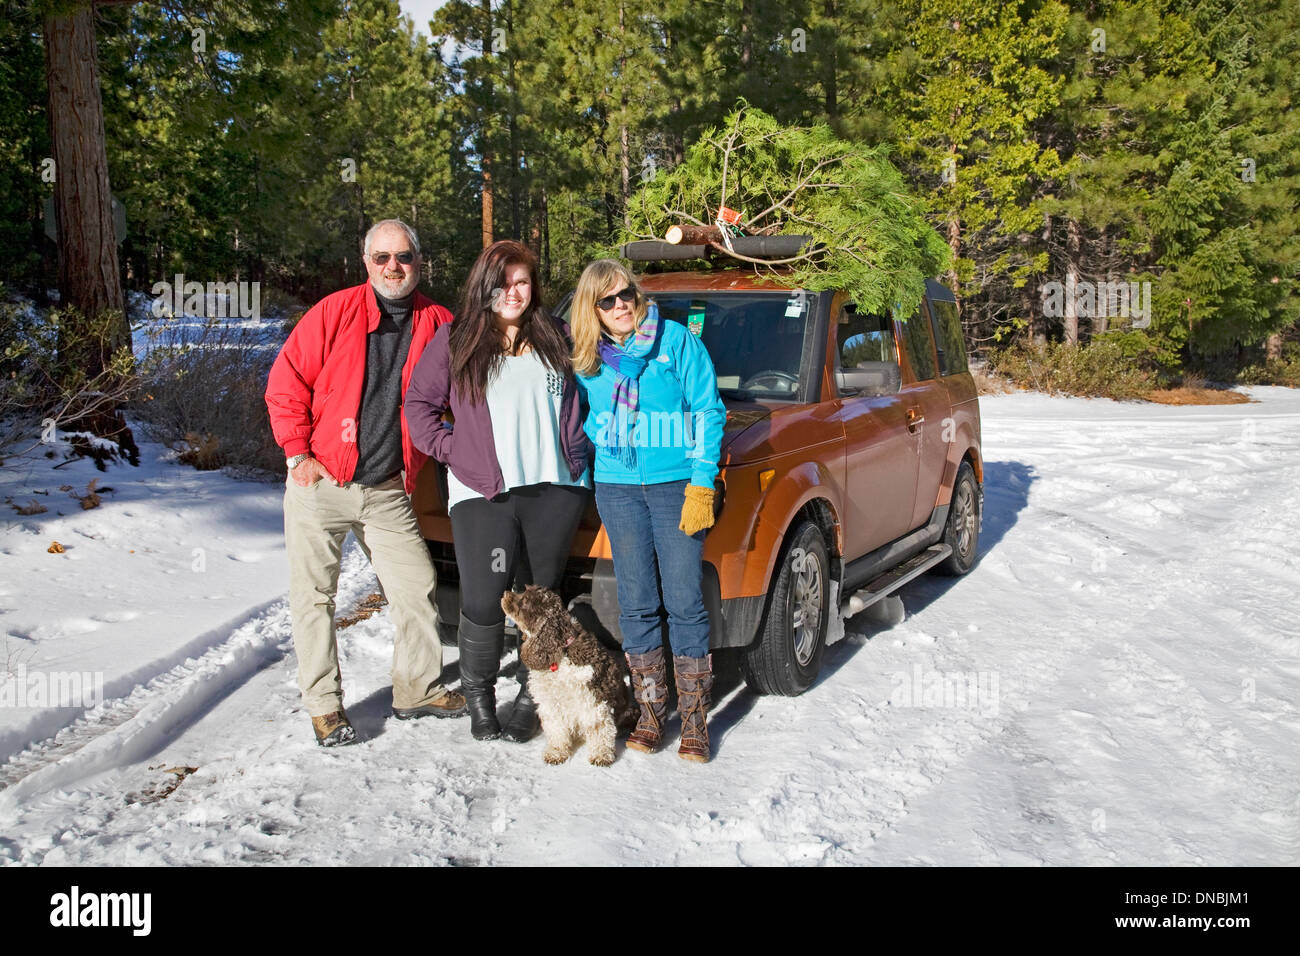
x=480 y=662
x=523 y=723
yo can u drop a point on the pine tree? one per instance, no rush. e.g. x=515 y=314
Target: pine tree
x=967 y=90
x=25 y=161
x=867 y=234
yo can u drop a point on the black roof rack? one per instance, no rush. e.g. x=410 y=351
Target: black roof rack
x=753 y=247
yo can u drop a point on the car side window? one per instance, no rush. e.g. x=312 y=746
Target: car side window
x=864 y=338
x=952 y=347
x=919 y=342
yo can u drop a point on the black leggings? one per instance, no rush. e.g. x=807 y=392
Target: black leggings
x=487 y=536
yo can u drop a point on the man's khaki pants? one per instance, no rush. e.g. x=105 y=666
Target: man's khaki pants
x=316 y=521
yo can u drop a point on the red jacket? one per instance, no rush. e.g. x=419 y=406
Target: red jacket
x=314 y=390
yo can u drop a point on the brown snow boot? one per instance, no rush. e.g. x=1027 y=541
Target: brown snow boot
x=694 y=685
x=650 y=688
x=333 y=730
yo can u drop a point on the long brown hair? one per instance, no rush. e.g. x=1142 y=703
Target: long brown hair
x=475 y=341
x=584 y=320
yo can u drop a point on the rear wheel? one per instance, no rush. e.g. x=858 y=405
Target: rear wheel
x=962 y=532
x=787 y=656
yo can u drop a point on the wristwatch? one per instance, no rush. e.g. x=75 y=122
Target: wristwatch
x=295 y=461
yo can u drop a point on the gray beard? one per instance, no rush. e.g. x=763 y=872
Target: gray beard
x=384 y=288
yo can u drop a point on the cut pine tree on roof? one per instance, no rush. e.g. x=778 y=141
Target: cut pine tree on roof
x=867 y=232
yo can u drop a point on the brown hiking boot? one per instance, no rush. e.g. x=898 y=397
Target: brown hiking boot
x=333 y=730
x=650 y=689
x=450 y=704
x=694 y=684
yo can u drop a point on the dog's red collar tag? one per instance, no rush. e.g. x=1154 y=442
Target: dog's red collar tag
x=555 y=667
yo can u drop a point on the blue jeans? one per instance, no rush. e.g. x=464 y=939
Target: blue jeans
x=653 y=557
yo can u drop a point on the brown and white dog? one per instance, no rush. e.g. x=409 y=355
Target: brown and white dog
x=577 y=682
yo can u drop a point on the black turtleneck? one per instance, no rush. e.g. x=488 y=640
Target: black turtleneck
x=379 y=426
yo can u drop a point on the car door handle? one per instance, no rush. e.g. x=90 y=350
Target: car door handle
x=914 y=419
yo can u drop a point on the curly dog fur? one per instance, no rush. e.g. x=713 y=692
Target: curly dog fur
x=577 y=682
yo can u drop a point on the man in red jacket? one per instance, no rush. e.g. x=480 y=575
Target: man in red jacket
x=335 y=399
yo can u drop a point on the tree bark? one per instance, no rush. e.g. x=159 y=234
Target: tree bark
x=516 y=180
x=673 y=133
x=89 y=276
x=625 y=159
x=1071 y=317
x=1273 y=347
x=692 y=235
x=830 y=81
x=486 y=215
x=1033 y=305
x=954 y=243
x=746 y=37
x=485 y=219
x=546 y=240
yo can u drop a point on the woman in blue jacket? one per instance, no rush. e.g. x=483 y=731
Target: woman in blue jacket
x=656 y=420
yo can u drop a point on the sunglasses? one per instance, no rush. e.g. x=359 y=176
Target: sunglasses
x=381 y=258
x=627 y=295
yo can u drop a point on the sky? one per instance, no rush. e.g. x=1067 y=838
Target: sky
x=420 y=11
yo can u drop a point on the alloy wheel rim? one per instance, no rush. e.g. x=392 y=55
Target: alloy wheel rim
x=965 y=520
x=806 y=616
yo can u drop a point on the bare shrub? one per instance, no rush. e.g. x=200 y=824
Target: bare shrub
x=43 y=390
x=988 y=381
x=1284 y=371
x=1101 y=369
x=202 y=396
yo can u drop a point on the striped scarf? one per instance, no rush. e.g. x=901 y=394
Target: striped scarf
x=628 y=362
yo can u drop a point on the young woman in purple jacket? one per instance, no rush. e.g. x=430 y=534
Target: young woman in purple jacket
x=516 y=458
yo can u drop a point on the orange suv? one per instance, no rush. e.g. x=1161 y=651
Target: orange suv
x=850 y=463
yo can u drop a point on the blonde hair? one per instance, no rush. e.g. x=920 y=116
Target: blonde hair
x=584 y=317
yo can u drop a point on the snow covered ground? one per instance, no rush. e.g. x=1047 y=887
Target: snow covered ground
x=1115 y=683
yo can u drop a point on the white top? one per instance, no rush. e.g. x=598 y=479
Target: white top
x=523 y=400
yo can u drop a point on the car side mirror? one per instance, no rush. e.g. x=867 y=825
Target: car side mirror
x=870 y=378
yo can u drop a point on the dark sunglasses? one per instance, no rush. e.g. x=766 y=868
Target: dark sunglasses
x=627 y=295
x=381 y=258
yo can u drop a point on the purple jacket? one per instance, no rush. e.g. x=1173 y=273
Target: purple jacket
x=469 y=449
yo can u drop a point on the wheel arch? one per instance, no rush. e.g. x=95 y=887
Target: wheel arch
x=806 y=491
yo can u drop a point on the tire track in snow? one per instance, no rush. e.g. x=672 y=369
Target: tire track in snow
x=129 y=728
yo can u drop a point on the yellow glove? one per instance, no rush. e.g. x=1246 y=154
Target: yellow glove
x=697 y=509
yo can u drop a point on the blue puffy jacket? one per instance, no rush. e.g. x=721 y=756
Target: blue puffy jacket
x=678 y=431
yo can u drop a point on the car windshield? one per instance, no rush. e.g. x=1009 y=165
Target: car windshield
x=754 y=338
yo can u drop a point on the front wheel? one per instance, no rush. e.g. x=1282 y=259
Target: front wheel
x=787 y=656
x=962 y=532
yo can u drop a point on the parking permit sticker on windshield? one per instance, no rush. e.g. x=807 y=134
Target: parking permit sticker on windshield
x=794 y=307
x=695 y=322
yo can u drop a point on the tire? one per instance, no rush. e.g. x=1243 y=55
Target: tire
x=962 y=530
x=787 y=656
